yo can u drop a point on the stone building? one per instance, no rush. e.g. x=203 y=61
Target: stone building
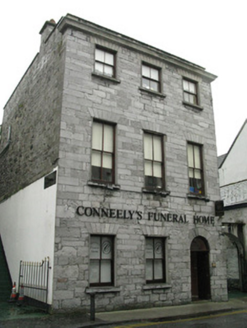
x=233 y=188
x=108 y=167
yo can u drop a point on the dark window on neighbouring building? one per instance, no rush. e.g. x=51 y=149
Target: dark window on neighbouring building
x=151 y=78
x=155 y=260
x=103 y=152
x=196 y=183
x=101 y=260
x=153 y=161
x=190 y=89
x=105 y=62
x=50 y=179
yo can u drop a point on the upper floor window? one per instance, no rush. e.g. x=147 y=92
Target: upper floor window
x=151 y=78
x=190 y=89
x=103 y=152
x=196 y=183
x=101 y=260
x=153 y=160
x=155 y=260
x=104 y=62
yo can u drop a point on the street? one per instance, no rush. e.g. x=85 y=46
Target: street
x=236 y=319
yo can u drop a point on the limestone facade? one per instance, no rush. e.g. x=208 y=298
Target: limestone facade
x=51 y=115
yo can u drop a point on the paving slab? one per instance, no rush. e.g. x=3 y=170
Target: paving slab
x=12 y=316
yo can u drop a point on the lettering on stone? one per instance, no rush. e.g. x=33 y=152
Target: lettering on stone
x=151 y=216
x=203 y=219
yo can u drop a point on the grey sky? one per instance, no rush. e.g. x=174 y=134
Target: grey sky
x=210 y=33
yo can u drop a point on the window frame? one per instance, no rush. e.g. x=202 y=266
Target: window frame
x=106 y=51
x=158 y=69
x=161 y=136
x=194 y=94
x=102 y=152
x=112 y=261
x=163 y=265
x=194 y=168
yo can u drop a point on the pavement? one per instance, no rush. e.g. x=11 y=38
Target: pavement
x=12 y=316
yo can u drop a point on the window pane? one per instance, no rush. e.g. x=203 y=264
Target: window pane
x=99 y=68
x=108 y=70
x=107 y=174
x=105 y=271
x=109 y=58
x=186 y=97
x=195 y=100
x=145 y=83
x=148 y=168
x=148 y=151
x=158 y=248
x=96 y=172
x=186 y=85
x=97 y=136
x=197 y=174
x=198 y=186
x=191 y=173
x=192 y=87
x=96 y=158
x=107 y=161
x=154 y=74
x=149 y=248
x=145 y=71
x=190 y=156
x=154 y=86
x=192 y=99
x=108 y=138
x=149 y=269
x=94 y=271
x=157 y=148
x=99 y=55
x=106 y=252
x=157 y=168
x=158 y=269
x=95 y=247
x=197 y=157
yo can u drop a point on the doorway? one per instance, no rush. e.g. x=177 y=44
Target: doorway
x=200 y=274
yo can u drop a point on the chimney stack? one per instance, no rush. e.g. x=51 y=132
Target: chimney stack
x=46 y=30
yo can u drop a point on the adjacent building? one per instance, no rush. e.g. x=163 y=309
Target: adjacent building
x=108 y=167
x=233 y=187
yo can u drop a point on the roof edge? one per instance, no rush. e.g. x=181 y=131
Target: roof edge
x=234 y=141
x=71 y=21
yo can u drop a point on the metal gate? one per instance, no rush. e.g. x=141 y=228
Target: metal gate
x=34 y=277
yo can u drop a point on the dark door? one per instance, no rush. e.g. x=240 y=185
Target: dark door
x=200 y=277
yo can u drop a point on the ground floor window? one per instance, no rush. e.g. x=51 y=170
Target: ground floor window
x=101 y=260
x=155 y=260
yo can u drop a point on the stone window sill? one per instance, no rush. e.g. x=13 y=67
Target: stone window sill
x=103 y=185
x=194 y=196
x=153 y=93
x=158 y=192
x=101 y=290
x=158 y=286
x=105 y=77
x=187 y=104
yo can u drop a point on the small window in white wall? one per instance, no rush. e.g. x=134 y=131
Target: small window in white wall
x=50 y=180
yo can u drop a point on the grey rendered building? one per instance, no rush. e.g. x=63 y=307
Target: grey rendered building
x=110 y=144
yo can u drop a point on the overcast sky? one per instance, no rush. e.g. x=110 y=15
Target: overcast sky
x=210 y=33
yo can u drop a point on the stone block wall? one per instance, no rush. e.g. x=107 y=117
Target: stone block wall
x=88 y=97
x=51 y=115
x=32 y=115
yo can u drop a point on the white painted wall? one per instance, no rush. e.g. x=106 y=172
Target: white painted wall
x=27 y=227
x=234 y=168
x=234 y=193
